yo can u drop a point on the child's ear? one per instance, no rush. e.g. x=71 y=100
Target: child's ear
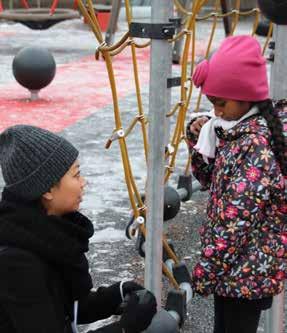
x=48 y=196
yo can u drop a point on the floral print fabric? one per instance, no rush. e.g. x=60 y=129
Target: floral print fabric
x=244 y=240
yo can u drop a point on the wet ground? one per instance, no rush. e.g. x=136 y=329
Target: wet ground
x=112 y=256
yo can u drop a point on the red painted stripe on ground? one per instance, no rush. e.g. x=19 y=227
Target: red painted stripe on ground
x=78 y=90
x=7 y=33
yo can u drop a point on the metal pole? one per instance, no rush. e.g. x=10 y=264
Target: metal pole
x=159 y=69
x=279 y=68
x=274 y=320
x=225 y=8
x=112 y=27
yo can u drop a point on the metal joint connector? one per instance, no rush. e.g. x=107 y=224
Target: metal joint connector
x=187 y=32
x=103 y=44
x=171 y=169
x=170 y=149
x=213 y=14
x=140 y=117
x=115 y=136
x=142 y=208
x=187 y=84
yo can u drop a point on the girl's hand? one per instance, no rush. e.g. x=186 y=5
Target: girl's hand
x=197 y=124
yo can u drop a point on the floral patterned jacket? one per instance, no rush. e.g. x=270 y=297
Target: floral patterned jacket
x=244 y=240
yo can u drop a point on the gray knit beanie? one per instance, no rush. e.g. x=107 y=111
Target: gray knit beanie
x=33 y=160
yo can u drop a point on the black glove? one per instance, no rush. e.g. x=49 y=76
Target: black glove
x=112 y=294
x=131 y=286
x=138 y=311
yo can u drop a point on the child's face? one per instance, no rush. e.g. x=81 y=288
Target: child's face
x=228 y=109
x=66 y=196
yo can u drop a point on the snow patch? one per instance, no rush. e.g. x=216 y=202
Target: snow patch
x=108 y=235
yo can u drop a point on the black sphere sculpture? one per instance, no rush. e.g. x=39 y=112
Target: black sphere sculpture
x=171 y=203
x=274 y=10
x=34 y=68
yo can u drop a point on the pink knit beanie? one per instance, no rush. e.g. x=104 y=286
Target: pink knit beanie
x=236 y=71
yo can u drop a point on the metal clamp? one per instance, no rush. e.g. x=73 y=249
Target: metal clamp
x=187 y=32
x=173 y=82
x=152 y=30
x=176 y=21
x=103 y=44
x=133 y=226
x=115 y=136
x=170 y=149
x=170 y=168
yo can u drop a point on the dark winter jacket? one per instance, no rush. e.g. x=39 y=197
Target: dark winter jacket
x=43 y=270
x=244 y=240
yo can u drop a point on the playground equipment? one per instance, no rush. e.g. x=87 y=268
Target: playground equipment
x=42 y=18
x=112 y=26
x=263 y=27
x=148 y=210
x=38 y=18
x=274 y=10
x=34 y=68
x=186 y=5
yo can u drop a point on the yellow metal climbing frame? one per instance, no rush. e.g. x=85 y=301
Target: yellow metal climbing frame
x=192 y=21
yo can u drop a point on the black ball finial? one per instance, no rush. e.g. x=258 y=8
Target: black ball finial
x=34 y=68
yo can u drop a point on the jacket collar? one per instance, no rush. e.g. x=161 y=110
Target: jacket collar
x=255 y=124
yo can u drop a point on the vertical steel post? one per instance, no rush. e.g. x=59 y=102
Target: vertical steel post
x=225 y=8
x=113 y=22
x=279 y=68
x=274 y=320
x=274 y=317
x=159 y=70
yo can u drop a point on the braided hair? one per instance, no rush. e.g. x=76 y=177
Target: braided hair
x=272 y=116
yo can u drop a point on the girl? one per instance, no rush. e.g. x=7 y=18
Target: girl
x=237 y=154
x=45 y=285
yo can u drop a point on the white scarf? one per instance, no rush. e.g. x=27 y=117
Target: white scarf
x=208 y=140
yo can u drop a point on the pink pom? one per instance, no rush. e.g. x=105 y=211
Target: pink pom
x=200 y=74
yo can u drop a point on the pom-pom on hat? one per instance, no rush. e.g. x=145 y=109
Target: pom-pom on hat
x=33 y=160
x=236 y=71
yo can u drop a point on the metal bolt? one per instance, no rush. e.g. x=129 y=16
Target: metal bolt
x=140 y=220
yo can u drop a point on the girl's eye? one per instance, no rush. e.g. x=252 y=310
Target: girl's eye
x=220 y=104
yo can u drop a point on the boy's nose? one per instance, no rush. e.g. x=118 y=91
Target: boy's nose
x=83 y=182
